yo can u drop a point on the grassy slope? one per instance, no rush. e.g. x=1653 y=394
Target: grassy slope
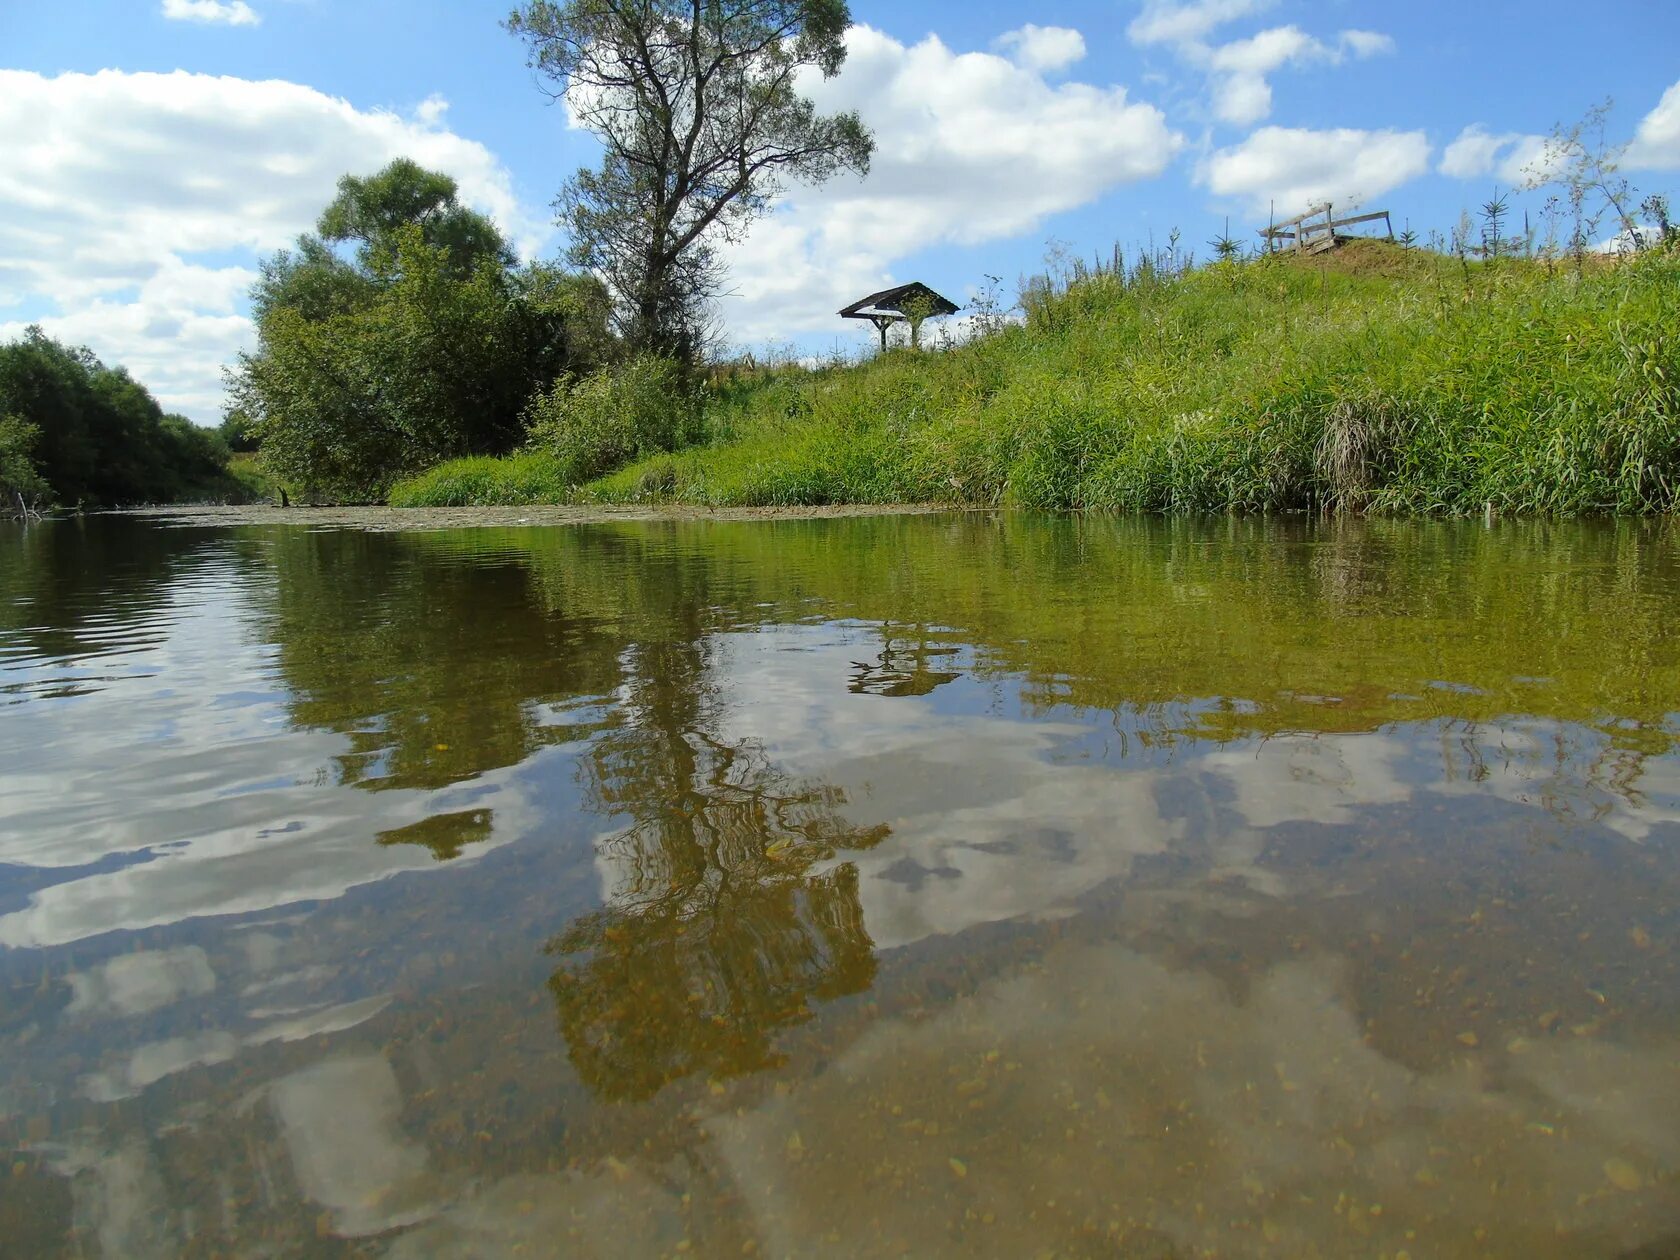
x=1377 y=379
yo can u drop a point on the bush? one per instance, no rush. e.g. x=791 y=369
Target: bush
x=21 y=486
x=614 y=417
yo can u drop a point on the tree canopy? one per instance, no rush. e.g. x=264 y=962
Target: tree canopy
x=77 y=432
x=371 y=212
x=697 y=105
x=420 y=342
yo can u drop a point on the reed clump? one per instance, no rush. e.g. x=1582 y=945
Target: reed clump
x=1378 y=379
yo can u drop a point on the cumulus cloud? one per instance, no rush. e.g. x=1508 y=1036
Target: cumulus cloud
x=1293 y=168
x=1238 y=71
x=1270 y=49
x=1513 y=156
x=971 y=147
x=215 y=12
x=1656 y=145
x=134 y=206
x=1241 y=93
x=1520 y=158
x=1043 y=48
x=1169 y=23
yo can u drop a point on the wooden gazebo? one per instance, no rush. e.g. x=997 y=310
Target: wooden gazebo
x=907 y=304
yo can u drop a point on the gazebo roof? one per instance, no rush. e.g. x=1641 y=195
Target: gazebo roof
x=891 y=303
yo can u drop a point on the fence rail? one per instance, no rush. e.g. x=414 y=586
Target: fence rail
x=1316 y=231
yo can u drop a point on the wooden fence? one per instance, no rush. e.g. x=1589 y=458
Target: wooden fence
x=1317 y=230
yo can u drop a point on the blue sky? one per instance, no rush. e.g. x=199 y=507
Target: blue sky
x=152 y=150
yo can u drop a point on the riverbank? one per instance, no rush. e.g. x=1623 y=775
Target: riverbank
x=392 y=519
x=1377 y=379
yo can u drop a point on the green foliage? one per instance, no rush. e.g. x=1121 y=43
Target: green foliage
x=528 y=477
x=99 y=438
x=580 y=430
x=198 y=456
x=699 y=112
x=236 y=434
x=1373 y=380
x=21 y=486
x=255 y=485
x=425 y=347
x=373 y=212
x=613 y=416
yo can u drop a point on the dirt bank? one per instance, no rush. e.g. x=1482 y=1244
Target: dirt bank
x=387 y=519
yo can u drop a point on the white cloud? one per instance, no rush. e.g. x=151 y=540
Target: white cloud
x=1237 y=71
x=1293 y=168
x=221 y=12
x=1656 y=145
x=1163 y=22
x=971 y=147
x=1474 y=153
x=1518 y=158
x=1241 y=94
x=1267 y=51
x=1513 y=156
x=122 y=197
x=1367 y=43
x=1242 y=99
x=1043 y=48
x=1630 y=240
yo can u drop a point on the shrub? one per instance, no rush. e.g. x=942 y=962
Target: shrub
x=21 y=486
x=613 y=417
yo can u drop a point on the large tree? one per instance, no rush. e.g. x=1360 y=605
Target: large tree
x=401 y=334
x=698 y=107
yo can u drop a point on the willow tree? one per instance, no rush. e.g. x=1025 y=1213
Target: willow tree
x=697 y=105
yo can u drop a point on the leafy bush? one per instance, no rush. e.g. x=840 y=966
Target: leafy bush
x=21 y=486
x=614 y=416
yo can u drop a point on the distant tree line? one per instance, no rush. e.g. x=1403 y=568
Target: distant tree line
x=76 y=433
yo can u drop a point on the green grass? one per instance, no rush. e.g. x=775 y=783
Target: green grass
x=529 y=477
x=1377 y=380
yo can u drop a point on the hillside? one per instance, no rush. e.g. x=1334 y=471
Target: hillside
x=1377 y=379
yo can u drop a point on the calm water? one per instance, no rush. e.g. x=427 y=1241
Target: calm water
x=899 y=887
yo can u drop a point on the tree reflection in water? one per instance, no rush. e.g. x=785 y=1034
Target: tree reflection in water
x=446 y=835
x=725 y=919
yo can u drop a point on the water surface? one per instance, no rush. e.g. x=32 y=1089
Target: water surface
x=939 y=886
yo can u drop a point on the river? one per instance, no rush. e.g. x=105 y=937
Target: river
x=960 y=885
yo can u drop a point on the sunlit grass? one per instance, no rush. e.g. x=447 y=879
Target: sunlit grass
x=1380 y=380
